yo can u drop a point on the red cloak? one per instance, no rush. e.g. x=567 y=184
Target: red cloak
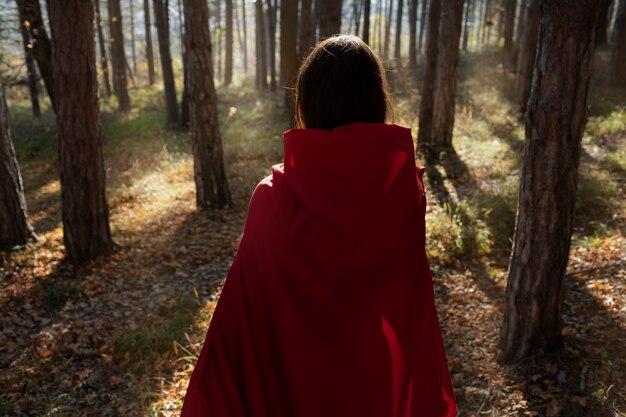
x=328 y=309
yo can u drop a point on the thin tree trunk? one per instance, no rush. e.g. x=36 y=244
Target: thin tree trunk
x=423 y=23
x=184 y=102
x=149 y=53
x=554 y=128
x=366 y=21
x=617 y=66
x=218 y=40
x=357 y=20
x=212 y=190
x=519 y=32
x=31 y=72
x=396 y=49
x=104 y=64
x=86 y=231
x=447 y=65
x=468 y=11
x=288 y=56
x=118 y=57
x=161 y=20
x=261 y=52
x=388 y=29
x=29 y=10
x=528 y=47
x=413 y=4
x=271 y=38
x=425 y=134
x=330 y=18
x=509 y=23
x=245 y=37
x=228 y=68
x=132 y=35
x=305 y=29
x=14 y=226
x=603 y=26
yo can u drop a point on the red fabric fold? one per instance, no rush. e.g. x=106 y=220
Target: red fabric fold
x=328 y=309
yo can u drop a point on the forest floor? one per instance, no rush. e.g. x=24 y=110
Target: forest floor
x=120 y=336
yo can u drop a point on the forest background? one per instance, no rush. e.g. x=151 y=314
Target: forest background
x=123 y=191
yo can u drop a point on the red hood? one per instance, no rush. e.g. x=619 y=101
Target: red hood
x=354 y=187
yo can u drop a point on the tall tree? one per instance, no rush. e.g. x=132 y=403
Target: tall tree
x=288 y=56
x=261 y=52
x=445 y=87
x=228 y=66
x=423 y=23
x=304 y=43
x=86 y=231
x=468 y=12
x=617 y=72
x=14 y=226
x=603 y=26
x=388 y=29
x=161 y=20
x=366 y=20
x=271 y=39
x=425 y=138
x=118 y=56
x=509 y=23
x=413 y=36
x=31 y=71
x=212 y=190
x=245 y=37
x=149 y=52
x=132 y=35
x=104 y=64
x=526 y=55
x=30 y=11
x=396 y=49
x=330 y=18
x=554 y=127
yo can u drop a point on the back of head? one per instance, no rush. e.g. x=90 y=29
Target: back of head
x=342 y=81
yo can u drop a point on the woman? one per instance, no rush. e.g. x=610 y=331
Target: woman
x=328 y=309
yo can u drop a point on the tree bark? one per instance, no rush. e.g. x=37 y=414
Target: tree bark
x=14 y=227
x=228 y=67
x=396 y=48
x=184 y=102
x=603 y=25
x=367 y=8
x=288 y=56
x=118 y=56
x=526 y=58
x=468 y=12
x=31 y=72
x=617 y=68
x=554 y=127
x=445 y=87
x=304 y=43
x=149 y=52
x=104 y=64
x=30 y=11
x=330 y=18
x=161 y=20
x=86 y=232
x=271 y=39
x=261 y=54
x=425 y=133
x=212 y=190
x=132 y=35
x=509 y=23
x=388 y=30
x=413 y=4
x=245 y=37
x=423 y=23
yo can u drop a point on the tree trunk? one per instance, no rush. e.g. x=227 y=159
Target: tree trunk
x=132 y=35
x=425 y=134
x=617 y=68
x=423 y=23
x=366 y=21
x=29 y=10
x=388 y=30
x=211 y=186
x=86 y=232
x=445 y=87
x=526 y=58
x=554 y=128
x=288 y=57
x=413 y=4
x=228 y=67
x=468 y=12
x=330 y=18
x=305 y=29
x=149 y=53
x=509 y=23
x=14 y=226
x=271 y=39
x=245 y=37
x=104 y=64
x=31 y=72
x=603 y=25
x=184 y=102
x=261 y=52
x=519 y=33
x=161 y=20
x=396 y=49
x=118 y=57
x=218 y=38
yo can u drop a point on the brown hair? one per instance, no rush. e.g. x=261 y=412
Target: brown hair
x=342 y=81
